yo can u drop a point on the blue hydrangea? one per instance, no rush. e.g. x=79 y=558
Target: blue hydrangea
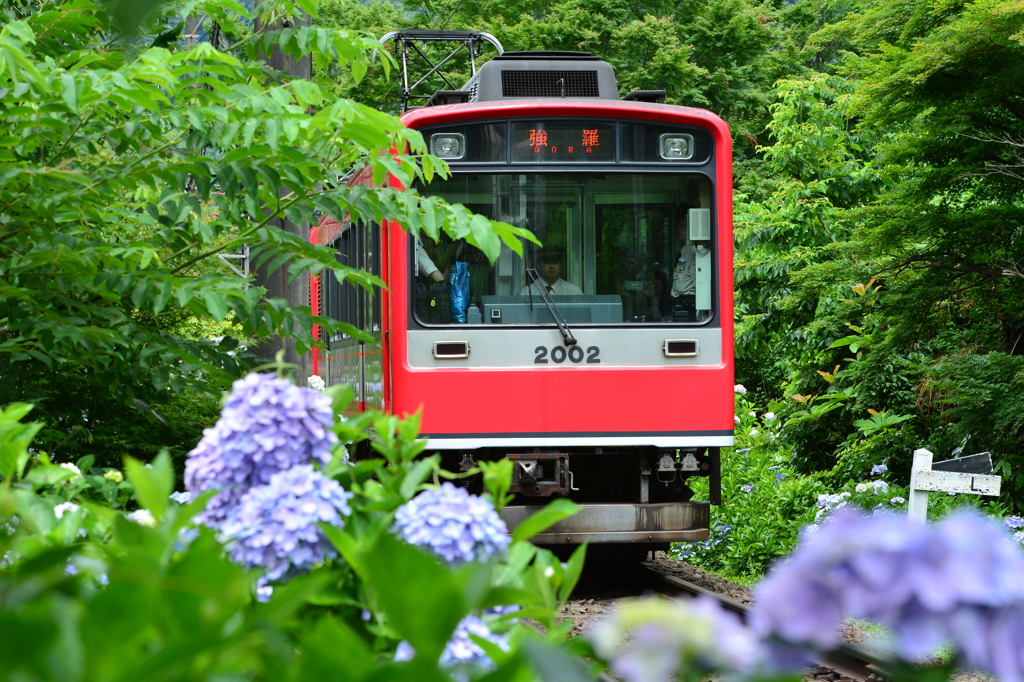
x=1013 y=522
x=878 y=469
x=460 y=649
x=746 y=488
x=451 y=523
x=957 y=581
x=697 y=548
x=274 y=526
x=267 y=425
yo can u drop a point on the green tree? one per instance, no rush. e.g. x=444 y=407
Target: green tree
x=943 y=80
x=791 y=213
x=128 y=163
x=723 y=56
x=932 y=210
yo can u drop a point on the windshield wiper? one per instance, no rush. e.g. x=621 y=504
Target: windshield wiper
x=570 y=340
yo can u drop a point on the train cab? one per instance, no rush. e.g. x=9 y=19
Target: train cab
x=600 y=360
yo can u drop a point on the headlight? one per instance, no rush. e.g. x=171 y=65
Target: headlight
x=675 y=147
x=448 y=145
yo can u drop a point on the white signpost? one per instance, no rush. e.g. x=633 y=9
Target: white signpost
x=961 y=475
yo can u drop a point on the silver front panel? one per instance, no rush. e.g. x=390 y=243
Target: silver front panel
x=622 y=347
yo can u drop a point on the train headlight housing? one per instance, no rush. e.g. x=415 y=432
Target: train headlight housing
x=448 y=146
x=675 y=147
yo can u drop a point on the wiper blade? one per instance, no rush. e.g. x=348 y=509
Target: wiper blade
x=570 y=340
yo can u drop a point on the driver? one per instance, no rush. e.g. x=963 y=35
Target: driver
x=550 y=270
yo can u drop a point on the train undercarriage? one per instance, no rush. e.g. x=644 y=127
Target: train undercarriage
x=637 y=495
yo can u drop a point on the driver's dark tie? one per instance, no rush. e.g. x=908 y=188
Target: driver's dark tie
x=550 y=289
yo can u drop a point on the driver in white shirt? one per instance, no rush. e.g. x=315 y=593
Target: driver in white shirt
x=550 y=270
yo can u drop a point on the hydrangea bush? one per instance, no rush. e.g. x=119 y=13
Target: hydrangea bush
x=956 y=582
x=308 y=552
x=276 y=526
x=268 y=425
x=451 y=523
x=767 y=502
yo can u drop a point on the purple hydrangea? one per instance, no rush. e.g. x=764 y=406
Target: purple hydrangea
x=1013 y=522
x=274 y=526
x=649 y=640
x=957 y=581
x=878 y=469
x=451 y=523
x=461 y=649
x=267 y=425
x=746 y=488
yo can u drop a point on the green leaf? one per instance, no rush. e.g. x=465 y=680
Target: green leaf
x=289 y=598
x=15 y=438
x=69 y=91
x=484 y=236
x=348 y=547
x=332 y=650
x=153 y=485
x=548 y=516
x=416 y=475
x=553 y=665
x=216 y=304
x=573 y=570
x=421 y=597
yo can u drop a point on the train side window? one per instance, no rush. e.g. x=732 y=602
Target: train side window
x=355 y=247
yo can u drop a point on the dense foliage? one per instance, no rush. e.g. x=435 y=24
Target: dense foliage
x=128 y=163
x=304 y=578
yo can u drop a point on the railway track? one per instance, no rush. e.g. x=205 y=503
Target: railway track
x=846 y=663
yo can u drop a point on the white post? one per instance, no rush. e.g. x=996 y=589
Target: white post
x=918 y=508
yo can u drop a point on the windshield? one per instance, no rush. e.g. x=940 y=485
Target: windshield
x=617 y=249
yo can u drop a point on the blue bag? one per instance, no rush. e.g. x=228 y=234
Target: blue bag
x=458 y=282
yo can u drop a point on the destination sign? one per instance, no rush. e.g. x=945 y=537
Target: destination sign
x=573 y=141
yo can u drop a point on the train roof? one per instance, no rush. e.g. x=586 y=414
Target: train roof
x=548 y=74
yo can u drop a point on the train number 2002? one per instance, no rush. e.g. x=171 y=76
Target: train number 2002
x=558 y=355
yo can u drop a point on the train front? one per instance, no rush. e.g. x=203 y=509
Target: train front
x=601 y=362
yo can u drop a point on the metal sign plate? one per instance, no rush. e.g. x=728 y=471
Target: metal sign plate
x=980 y=463
x=957 y=482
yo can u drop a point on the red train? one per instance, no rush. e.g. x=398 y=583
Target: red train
x=600 y=362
